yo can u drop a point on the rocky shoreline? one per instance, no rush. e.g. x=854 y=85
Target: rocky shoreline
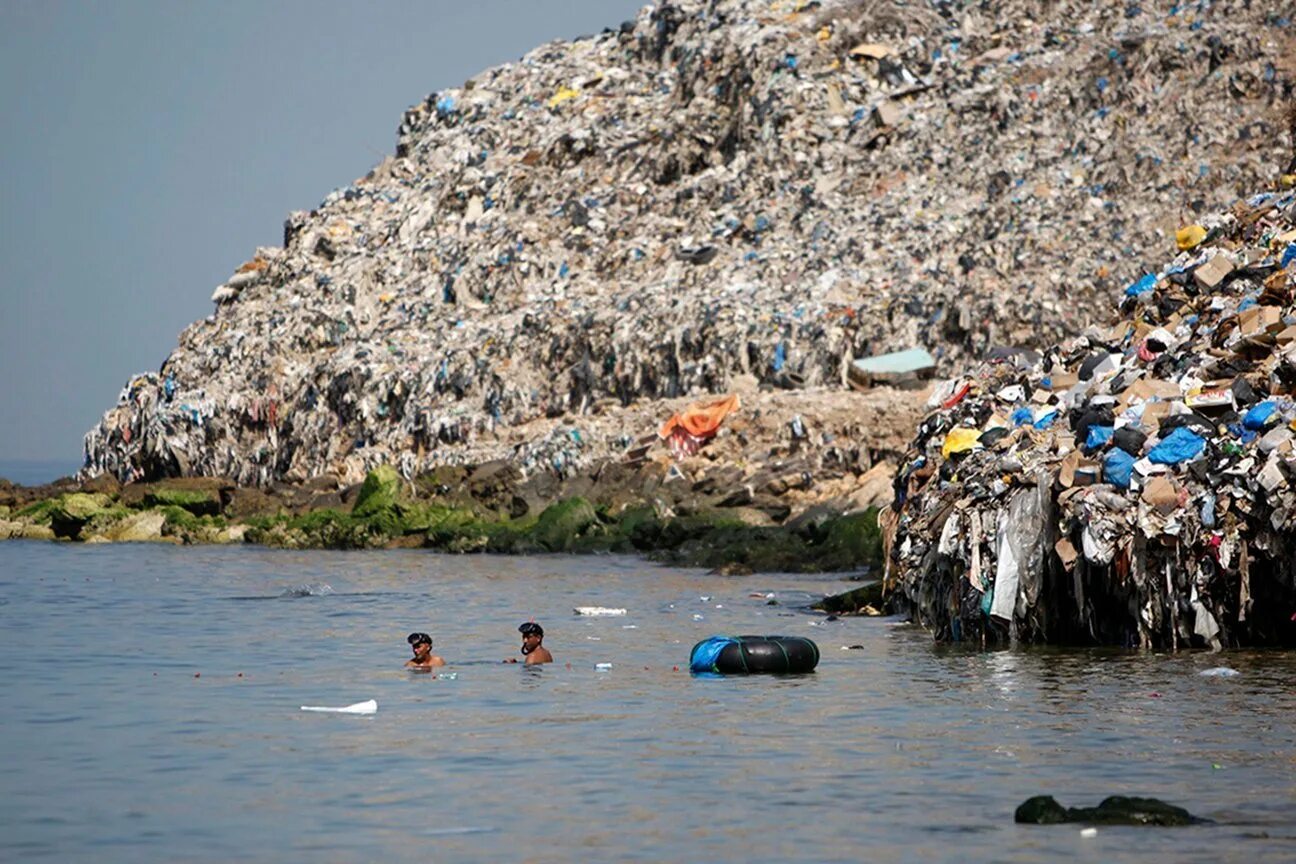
x=774 y=489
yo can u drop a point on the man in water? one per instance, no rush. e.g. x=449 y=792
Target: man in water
x=532 y=636
x=423 y=656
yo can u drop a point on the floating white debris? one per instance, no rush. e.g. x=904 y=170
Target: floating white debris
x=598 y=611
x=369 y=707
x=1219 y=672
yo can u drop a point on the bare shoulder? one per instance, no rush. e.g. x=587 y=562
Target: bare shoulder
x=539 y=655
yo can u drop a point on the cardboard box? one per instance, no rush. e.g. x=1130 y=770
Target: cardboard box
x=1259 y=320
x=1150 y=388
x=1063 y=381
x=1161 y=494
x=1210 y=398
x=1213 y=272
x=1154 y=413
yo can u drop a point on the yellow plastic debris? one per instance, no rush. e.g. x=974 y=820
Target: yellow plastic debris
x=1287 y=180
x=960 y=440
x=1189 y=236
x=564 y=94
x=824 y=34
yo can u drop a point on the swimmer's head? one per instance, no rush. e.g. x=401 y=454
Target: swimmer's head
x=532 y=633
x=417 y=639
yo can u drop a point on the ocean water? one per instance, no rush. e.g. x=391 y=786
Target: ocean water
x=34 y=472
x=153 y=695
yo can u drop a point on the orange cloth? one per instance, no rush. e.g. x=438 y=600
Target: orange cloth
x=701 y=419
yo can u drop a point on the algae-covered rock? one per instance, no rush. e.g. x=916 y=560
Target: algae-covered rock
x=640 y=526
x=561 y=524
x=199 y=502
x=101 y=523
x=1113 y=810
x=73 y=510
x=854 y=541
x=381 y=491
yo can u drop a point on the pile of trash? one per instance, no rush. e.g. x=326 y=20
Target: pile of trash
x=717 y=188
x=1135 y=485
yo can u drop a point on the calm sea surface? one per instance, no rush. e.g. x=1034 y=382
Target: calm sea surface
x=152 y=713
x=34 y=472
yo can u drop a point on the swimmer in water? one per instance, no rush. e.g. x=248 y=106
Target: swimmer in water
x=423 y=656
x=532 y=636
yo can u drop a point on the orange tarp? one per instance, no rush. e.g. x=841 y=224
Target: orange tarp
x=701 y=419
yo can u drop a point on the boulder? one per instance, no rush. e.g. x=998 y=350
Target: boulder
x=381 y=492
x=1114 y=810
x=562 y=523
x=142 y=527
x=250 y=501
x=70 y=514
x=105 y=484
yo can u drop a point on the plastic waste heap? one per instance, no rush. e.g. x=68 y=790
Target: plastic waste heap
x=1134 y=485
x=714 y=189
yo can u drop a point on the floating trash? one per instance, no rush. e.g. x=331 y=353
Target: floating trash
x=322 y=589
x=598 y=611
x=369 y=707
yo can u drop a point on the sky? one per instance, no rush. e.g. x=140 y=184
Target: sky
x=147 y=149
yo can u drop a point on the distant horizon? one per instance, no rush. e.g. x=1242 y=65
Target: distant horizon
x=37 y=472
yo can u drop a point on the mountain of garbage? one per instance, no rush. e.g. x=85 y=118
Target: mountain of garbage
x=719 y=188
x=1135 y=485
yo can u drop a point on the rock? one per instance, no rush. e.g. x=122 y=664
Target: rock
x=201 y=496
x=35 y=532
x=142 y=527
x=855 y=540
x=562 y=523
x=106 y=484
x=867 y=600
x=381 y=491
x=250 y=501
x=232 y=534
x=874 y=488
x=1115 y=810
x=74 y=510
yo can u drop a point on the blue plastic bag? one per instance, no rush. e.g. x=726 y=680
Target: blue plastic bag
x=1046 y=421
x=1142 y=286
x=706 y=652
x=1260 y=415
x=1021 y=416
x=1181 y=445
x=1098 y=436
x=1118 y=467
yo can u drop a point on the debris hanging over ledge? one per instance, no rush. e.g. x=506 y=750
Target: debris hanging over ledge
x=1135 y=485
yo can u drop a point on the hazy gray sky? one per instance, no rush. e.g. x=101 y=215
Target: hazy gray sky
x=146 y=149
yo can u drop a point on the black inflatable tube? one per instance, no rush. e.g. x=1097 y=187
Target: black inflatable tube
x=780 y=655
